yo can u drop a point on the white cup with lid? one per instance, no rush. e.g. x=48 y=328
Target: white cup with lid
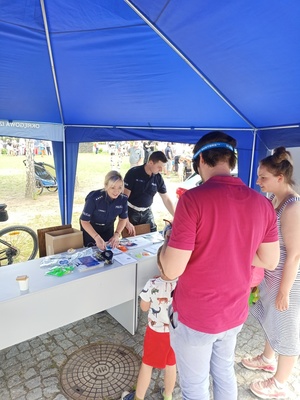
x=23 y=281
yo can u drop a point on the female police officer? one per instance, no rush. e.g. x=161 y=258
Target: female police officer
x=100 y=211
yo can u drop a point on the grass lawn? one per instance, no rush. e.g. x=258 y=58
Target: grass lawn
x=44 y=210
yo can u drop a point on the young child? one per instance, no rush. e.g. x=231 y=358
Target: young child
x=157 y=353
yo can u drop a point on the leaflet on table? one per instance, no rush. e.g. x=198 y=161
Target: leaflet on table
x=88 y=263
x=153 y=248
x=154 y=237
x=130 y=243
x=140 y=254
x=66 y=258
x=139 y=241
x=124 y=258
x=116 y=251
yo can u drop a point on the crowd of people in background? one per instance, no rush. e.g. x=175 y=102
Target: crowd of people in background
x=17 y=147
x=12 y=147
x=179 y=155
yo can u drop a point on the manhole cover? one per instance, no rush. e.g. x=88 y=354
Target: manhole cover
x=100 y=371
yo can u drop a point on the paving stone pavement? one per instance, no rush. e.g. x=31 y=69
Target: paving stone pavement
x=31 y=370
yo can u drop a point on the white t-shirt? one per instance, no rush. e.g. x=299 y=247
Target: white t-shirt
x=157 y=291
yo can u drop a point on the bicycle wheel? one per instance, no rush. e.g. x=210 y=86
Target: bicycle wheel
x=24 y=242
x=52 y=188
x=39 y=187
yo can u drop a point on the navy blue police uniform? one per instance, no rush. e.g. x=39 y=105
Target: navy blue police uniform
x=143 y=188
x=101 y=211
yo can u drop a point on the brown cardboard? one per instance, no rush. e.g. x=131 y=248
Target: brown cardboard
x=41 y=236
x=139 y=230
x=63 y=240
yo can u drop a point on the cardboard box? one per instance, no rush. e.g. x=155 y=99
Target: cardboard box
x=63 y=240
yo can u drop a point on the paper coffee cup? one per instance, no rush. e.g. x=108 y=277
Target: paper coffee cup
x=23 y=281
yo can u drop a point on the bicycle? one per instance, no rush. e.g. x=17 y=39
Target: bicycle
x=17 y=243
x=45 y=176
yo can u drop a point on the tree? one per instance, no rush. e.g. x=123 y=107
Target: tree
x=30 y=191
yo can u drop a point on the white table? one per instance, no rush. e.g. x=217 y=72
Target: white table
x=52 y=302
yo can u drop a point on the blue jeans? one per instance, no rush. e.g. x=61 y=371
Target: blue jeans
x=200 y=354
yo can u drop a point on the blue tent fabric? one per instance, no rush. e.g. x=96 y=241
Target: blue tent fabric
x=249 y=51
x=66 y=177
x=139 y=69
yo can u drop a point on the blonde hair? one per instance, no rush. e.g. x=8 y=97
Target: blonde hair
x=111 y=177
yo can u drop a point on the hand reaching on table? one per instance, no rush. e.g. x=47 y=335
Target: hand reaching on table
x=100 y=243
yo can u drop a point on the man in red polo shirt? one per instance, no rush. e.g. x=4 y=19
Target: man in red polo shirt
x=220 y=229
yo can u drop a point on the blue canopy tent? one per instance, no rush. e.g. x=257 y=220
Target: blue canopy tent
x=75 y=72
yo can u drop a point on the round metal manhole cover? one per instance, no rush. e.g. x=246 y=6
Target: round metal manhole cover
x=100 y=371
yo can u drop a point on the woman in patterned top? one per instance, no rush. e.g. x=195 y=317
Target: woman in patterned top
x=278 y=309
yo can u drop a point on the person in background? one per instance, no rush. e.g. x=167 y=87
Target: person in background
x=220 y=229
x=42 y=148
x=36 y=147
x=169 y=155
x=97 y=147
x=156 y=298
x=113 y=155
x=148 y=148
x=141 y=184
x=22 y=147
x=186 y=162
x=278 y=309
x=101 y=209
x=176 y=163
x=48 y=148
x=136 y=155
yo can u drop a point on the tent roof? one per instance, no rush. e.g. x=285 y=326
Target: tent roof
x=99 y=64
x=248 y=51
x=166 y=70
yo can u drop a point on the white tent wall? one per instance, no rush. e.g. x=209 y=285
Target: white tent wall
x=295 y=152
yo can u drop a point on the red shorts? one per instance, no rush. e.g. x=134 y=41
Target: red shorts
x=158 y=352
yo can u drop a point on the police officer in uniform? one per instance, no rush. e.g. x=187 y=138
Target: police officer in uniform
x=141 y=184
x=101 y=209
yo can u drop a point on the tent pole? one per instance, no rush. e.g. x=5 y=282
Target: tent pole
x=65 y=178
x=161 y=128
x=252 y=157
x=189 y=62
x=51 y=58
x=270 y=128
